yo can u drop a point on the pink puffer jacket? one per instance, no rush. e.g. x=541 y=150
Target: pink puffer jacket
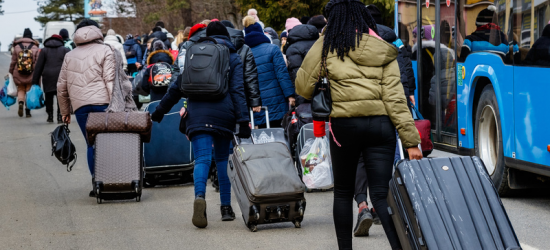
x=19 y=78
x=88 y=72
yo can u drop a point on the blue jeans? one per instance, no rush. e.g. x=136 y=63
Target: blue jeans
x=202 y=148
x=81 y=115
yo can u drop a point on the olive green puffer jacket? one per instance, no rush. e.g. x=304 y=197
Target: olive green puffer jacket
x=366 y=83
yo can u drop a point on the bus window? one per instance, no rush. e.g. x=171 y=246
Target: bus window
x=533 y=37
x=482 y=27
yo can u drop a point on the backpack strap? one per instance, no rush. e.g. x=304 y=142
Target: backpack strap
x=21 y=46
x=207 y=38
x=30 y=46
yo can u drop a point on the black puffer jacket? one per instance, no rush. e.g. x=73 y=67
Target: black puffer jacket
x=298 y=43
x=251 y=85
x=403 y=59
x=49 y=64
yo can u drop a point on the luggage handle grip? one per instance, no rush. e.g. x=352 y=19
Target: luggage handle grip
x=266 y=117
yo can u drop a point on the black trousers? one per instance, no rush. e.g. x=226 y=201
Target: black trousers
x=361 y=182
x=50 y=96
x=374 y=137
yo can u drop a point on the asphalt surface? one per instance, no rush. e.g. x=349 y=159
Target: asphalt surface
x=44 y=207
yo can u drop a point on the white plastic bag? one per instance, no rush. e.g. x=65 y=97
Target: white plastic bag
x=12 y=89
x=316 y=164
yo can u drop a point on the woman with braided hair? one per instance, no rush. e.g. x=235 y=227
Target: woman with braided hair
x=368 y=104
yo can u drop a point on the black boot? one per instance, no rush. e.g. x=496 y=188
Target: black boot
x=59 y=118
x=227 y=213
x=50 y=117
x=28 y=112
x=20 y=111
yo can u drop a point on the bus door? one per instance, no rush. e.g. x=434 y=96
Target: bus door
x=437 y=67
x=531 y=31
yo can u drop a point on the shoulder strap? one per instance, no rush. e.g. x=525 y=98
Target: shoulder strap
x=21 y=46
x=207 y=38
x=30 y=46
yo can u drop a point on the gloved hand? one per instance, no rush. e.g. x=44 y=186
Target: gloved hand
x=244 y=130
x=319 y=128
x=157 y=116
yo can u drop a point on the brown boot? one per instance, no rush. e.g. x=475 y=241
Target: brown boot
x=20 y=111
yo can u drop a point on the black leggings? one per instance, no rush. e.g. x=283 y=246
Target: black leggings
x=374 y=137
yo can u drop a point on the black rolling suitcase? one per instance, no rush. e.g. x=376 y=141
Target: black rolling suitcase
x=448 y=203
x=266 y=184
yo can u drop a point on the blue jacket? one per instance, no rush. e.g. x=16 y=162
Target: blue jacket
x=131 y=43
x=214 y=117
x=275 y=84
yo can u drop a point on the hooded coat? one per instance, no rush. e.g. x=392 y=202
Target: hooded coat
x=216 y=117
x=49 y=64
x=298 y=43
x=113 y=41
x=88 y=72
x=163 y=37
x=132 y=44
x=18 y=78
x=540 y=51
x=274 y=81
x=273 y=35
x=366 y=83
x=154 y=57
x=251 y=84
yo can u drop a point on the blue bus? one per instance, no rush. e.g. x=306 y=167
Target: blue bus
x=482 y=70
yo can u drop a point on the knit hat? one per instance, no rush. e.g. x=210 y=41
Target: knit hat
x=375 y=13
x=485 y=16
x=87 y=22
x=111 y=32
x=160 y=24
x=215 y=20
x=129 y=36
x=216 y=28
x=228 y=24
x=195 y=28
x=27 y=33
x=284 y=34
x=318 y=21
x=254 y=14
x=64 y=33
x=58 y=37
x=253 y=28
x=291 y=23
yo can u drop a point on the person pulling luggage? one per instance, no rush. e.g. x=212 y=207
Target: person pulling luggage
x=211 y=121
x=368 y=104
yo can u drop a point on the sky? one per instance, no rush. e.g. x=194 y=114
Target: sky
x=12 y=24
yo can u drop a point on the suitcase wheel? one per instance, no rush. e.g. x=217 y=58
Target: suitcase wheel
x=253 y=227
x=297 y=224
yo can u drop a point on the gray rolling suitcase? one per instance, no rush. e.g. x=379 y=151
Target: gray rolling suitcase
x=448 y=203
x=266 y=184
x=118 y=166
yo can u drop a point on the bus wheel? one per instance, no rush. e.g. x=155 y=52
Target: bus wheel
x=488 y=139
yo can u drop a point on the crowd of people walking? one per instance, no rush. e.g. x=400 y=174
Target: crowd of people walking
x=369 y=74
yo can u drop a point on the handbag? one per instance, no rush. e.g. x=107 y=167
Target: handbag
x=127 y=122
x=321 y=103
x=62 y=147
x=424 y=127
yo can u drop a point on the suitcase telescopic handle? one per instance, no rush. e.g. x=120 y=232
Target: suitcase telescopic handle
x=266 y=117
x=400 y=145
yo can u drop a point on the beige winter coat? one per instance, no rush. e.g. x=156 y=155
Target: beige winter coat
x=88 y=72
x=113 y=41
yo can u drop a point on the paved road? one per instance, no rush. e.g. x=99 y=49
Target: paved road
x=44 y=207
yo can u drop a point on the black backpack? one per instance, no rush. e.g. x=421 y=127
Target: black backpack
x=62 y=147
x=205 y=75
